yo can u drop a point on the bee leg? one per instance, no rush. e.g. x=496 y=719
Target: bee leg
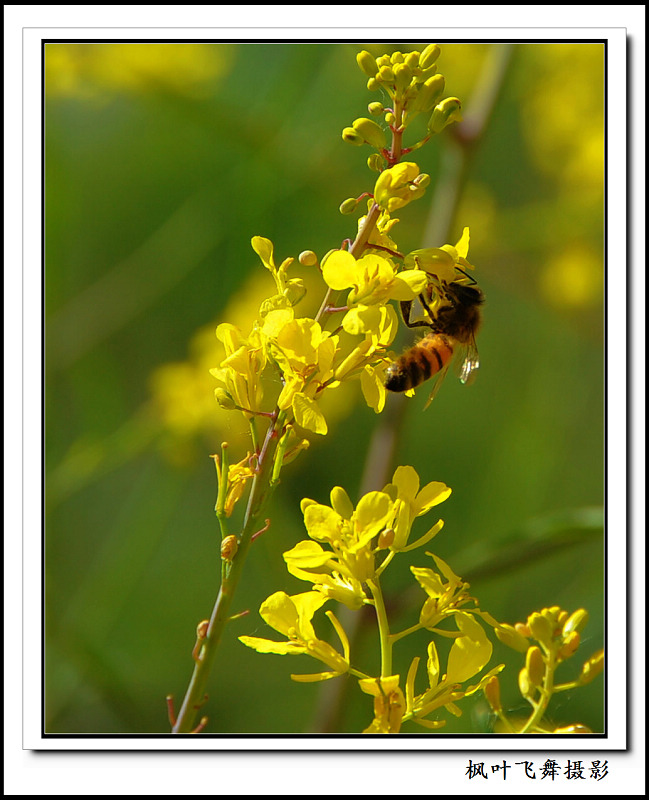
x=424 y=303
x=406 y=308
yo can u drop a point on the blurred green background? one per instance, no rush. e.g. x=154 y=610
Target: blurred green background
x=162 y=161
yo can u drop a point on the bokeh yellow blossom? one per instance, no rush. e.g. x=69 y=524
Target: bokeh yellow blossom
x=96 y=69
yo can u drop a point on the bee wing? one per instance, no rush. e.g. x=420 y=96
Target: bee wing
x=468 y=366
x=437 y=382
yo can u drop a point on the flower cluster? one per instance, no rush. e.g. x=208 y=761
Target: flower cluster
x=414 y=87
x=282 y=367
x=278 y=373
x=297 y=358
x=347 y=550
x=548 y=638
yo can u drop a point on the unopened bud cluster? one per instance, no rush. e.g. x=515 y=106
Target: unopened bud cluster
x=557 y=633
x=414 y=86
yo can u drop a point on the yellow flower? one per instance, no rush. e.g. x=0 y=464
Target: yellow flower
x=445 y=597
x=310 y=562
x=373 y=280
x=240 y=371
x=340 y=571
x=443 y=261
x=289 y=290
x=397 y=186
x=412 y=503
x=291 y=616
x=469 y=654
x=305 y=355
x=238 y=475
x=389 y=703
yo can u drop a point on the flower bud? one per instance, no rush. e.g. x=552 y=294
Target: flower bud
x=373 y=85
x=396 y=57
x=348 y=206
x=428 y=73
x=371 y=132
x=229 y=547
x=570 y=644
x=308 y=258
x=429 y=93
x=444 y=113
x=367 y=63
x=524 y=683
x=552 y=616
x=386 y=75
x=386 y=538
x=412 y=59
x=225 y=400
x=591 y=668
x=512 y=638
x=376 y=108
x=540 y=628
x=393 y=188
x=402 y=76
x=491 y=691
x=375 y=162
x=429 y=56
x=294 y=291
x=202 y=628
x=352 y=137
x=535 y=665
x=576 y=621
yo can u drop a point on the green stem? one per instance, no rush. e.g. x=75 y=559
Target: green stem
x=396 y=636
x=259 y=495
x=356 y=250
x=366 y=231
x=384 y=629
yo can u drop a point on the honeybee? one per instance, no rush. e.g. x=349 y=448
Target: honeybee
x=453 y=327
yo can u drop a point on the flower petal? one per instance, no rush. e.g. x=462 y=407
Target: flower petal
x=470 y=652
x=308 y=415
x=339 y=270
x=268 y=646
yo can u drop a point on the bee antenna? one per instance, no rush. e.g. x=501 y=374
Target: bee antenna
x=466 y=275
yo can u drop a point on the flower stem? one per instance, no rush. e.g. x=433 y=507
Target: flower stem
x=259 y=495
x=384 y=630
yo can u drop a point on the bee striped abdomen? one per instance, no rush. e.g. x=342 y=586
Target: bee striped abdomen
x=423 y=360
